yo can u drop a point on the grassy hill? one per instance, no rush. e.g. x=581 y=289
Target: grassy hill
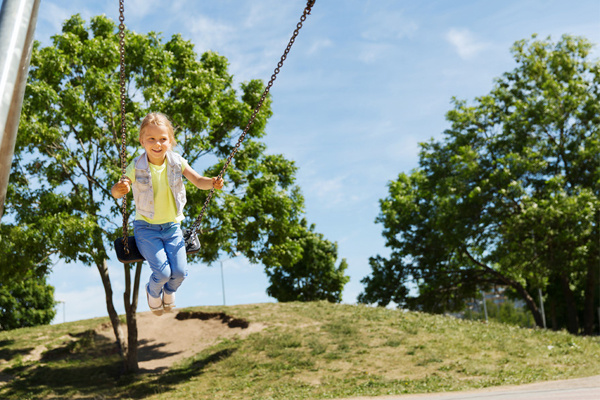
x=305 y=351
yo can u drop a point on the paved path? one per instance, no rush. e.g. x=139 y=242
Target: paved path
x=571 y=389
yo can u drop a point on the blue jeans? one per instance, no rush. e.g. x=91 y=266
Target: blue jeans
x=163 y=247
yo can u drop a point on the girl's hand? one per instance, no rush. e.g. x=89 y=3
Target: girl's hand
x=121 y=188
x=217 y=183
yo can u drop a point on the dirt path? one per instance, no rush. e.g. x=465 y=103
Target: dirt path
x=165 y=340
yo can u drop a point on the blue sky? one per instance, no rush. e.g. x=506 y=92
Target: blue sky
x=365 y=82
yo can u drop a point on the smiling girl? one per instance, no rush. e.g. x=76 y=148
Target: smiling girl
x=159 y=195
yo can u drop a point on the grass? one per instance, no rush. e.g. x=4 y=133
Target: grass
x=307 y=351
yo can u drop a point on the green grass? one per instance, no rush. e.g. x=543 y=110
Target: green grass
x=306 y=351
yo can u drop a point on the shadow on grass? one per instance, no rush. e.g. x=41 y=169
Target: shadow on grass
x=64 y=379
x=140 y=388
x=8 y=354
x=148 y=350
x=84 y=366
x=98 y=374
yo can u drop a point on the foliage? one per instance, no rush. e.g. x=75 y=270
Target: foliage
x=28 y=301
x=314 y=276
x=308 y=350
x=509 y=197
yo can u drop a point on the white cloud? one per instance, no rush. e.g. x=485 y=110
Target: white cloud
x=331 y=191
x=387 y=25
x=209 y=33
x=372 y=52
x=252 y=38
x=50 y=21
x=319 y=45
x=264 y=13
x=142 y=8
x=465 y=43
x=383 y=33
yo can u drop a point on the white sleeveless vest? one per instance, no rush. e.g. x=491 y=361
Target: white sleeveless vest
x=143 y=193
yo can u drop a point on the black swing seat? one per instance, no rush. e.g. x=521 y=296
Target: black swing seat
x=192 y=245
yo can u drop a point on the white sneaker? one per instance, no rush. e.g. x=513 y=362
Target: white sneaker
x=168 y=301
x=155 y=303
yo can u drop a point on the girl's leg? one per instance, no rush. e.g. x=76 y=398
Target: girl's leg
x=176 y=254
x=149 y=241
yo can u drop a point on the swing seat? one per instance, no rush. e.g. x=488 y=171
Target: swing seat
x=192 y=245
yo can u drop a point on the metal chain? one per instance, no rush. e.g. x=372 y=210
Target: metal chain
x=123 y=127
x=305 y=13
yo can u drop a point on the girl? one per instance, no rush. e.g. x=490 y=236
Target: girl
x=159 y=195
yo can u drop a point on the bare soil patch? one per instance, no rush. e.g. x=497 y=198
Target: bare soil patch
x=167 y=339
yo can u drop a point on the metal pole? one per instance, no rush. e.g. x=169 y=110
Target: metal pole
x=484 y=306
x=237 y=253
x=542 y=307
x=17 y=26
x=222 y=282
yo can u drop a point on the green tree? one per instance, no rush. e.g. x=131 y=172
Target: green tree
x=509 y=197
x=314 y=276
x=28 y=301
x=28 y=244
x=67 y=152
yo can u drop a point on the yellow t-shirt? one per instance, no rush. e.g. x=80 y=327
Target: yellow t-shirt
x=165 y=209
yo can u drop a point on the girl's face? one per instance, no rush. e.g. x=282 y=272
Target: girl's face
x=156 y=141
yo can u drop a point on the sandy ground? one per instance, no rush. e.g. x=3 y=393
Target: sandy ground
x=164 y=340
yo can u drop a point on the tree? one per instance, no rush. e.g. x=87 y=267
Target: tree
x=67 y=152
x=314 y=276
x=26 y=302
x=509 y=197
x=26 y=299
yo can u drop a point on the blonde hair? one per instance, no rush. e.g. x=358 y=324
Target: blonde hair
x=158 y=119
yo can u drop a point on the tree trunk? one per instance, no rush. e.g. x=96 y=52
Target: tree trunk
x=504 y=280
x=529 y=301
x=553 y=317
x=112 y=313
x=570 y=304
x=535 y=310
x=588 y=311
x=131 y=301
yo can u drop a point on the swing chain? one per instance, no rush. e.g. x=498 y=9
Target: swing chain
x=123 y=126
x=306 y=12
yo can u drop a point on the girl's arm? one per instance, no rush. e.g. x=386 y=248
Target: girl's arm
x=202 y=182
